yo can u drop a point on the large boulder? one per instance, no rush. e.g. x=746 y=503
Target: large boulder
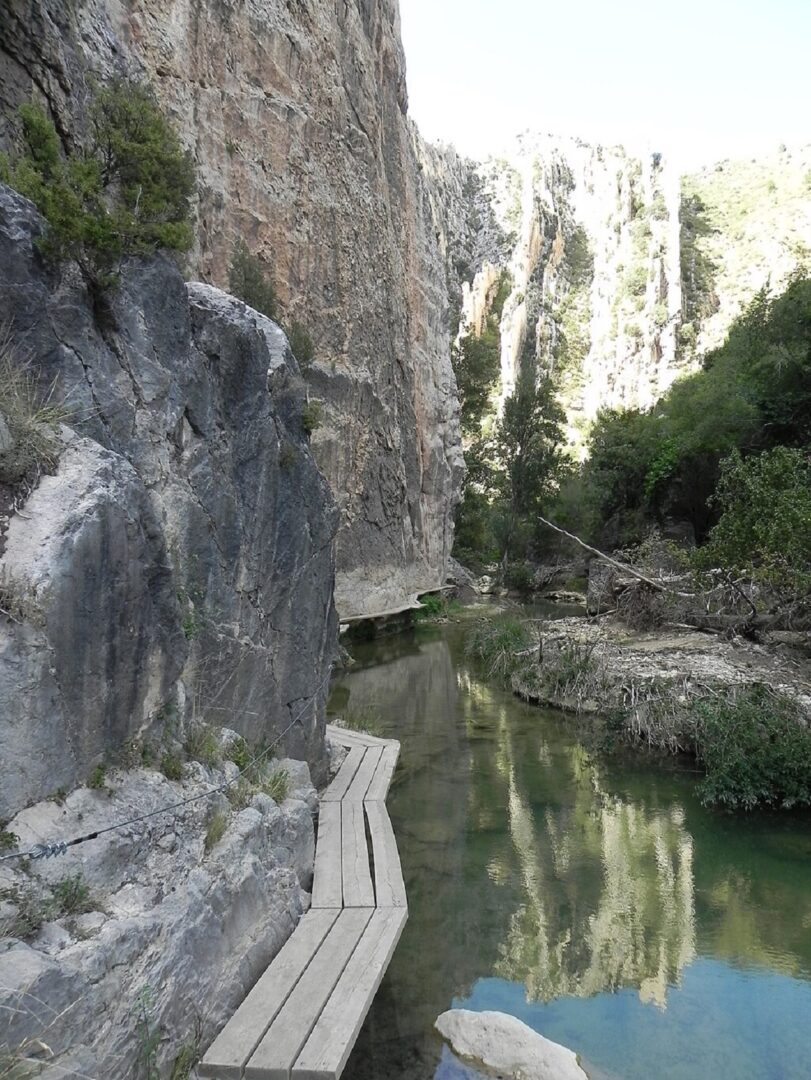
x=507 y=1046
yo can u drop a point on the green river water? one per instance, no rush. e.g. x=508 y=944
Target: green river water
x=597 y=901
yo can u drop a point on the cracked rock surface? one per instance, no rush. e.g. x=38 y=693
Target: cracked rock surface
x=180 y=557
x=168 y=929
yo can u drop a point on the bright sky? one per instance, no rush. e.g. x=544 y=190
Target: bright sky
x=698 y=80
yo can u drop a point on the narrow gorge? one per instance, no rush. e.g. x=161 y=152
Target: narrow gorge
x=200 y=492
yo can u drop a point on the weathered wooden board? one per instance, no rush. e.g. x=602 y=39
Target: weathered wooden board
x=276 y=1053
x=357 y=877
x=389 y=885
x=346 y=774
x=327 y=879
x=229 y=1052
x=346 y=737
x=381 y=781
x=356 y=791
x=328 y=1047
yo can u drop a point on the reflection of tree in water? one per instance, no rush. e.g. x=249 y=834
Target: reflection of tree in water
x=608 y=887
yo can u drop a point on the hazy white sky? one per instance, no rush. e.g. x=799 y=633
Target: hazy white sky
x=696 y=79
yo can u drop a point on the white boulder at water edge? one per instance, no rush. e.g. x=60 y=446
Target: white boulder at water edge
x=507 y=1046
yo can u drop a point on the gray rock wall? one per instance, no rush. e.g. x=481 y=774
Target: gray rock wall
x=296 y=115
x=182 y=552
x=174 y=929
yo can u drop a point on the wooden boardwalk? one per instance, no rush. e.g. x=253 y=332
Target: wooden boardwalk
x=301 y=1019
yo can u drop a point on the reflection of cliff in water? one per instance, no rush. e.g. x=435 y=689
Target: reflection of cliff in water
x=608 y=885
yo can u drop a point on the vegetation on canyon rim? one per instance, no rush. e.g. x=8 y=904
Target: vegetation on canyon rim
x=127 y=191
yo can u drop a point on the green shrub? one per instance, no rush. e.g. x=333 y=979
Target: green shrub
x=247 y=281
x=764 y=531
x=98 y=777
x=287 y=455
x=240 y=793
x=31 y=416
x=277 y=785
x=660 y=315
x=72 y=896
x=519 y=576
x=171 y=765
x=312 y=415
x=497 y=644
x=239 y=752
x=127 y=192
x=191 y=625
x=301 y=345
x=215 y=829
x=9 y=841
x=432 y=606
x=201 y=744
x=635 y=281
x=755 y=749
x=184 y=1061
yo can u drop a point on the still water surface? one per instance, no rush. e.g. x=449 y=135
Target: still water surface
x=597 y=901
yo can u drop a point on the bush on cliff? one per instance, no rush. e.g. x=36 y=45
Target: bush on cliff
x=127 y=191
x=29 y=419
x=247 y=281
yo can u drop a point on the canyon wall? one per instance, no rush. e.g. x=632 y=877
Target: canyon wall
x=175 y=562
x=588 y=238
x=296 y=115
x=621 y=272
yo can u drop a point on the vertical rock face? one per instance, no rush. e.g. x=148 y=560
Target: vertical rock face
x=296 y=114
x=184 y=544
x=590 y=239
x=623 y=274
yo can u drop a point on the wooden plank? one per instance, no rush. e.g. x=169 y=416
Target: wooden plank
x=328 y=1048
x=327 y=881
x=389 y=885
x=357 y=878
x=276 y=1053
x=363 y=777
x=339 y=735
x=381 y=781
x=347 y=737
x=339 y=786
x=227 y=1055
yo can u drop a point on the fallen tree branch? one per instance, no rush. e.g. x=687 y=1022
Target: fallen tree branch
x=660 y=586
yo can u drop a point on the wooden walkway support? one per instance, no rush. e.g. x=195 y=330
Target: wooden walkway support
x=302 y=1018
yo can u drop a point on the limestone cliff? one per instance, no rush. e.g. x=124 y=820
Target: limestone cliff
x=177 y=562
x=622 y=273
x=296 y=114
x=589 y=237
x=745 y=225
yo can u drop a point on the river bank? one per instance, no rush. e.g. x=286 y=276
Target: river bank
x=649 y=678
